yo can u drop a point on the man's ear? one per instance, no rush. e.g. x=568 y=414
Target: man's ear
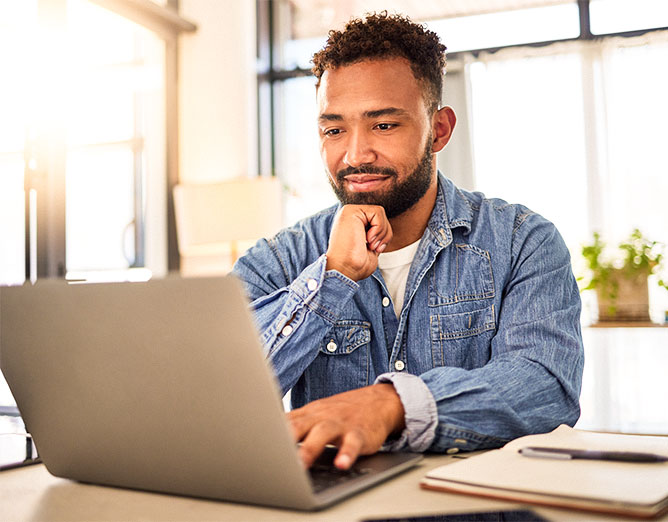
x=443 y=123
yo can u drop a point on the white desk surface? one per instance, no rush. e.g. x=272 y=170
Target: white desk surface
x=32 y=494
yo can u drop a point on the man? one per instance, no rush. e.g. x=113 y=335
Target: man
x=414 y=315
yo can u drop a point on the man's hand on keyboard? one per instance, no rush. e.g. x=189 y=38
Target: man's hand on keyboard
x=357 y=421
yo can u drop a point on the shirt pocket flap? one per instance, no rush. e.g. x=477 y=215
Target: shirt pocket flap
x=464 y=324
x=345 y=337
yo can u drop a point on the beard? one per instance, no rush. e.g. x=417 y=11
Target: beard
x=396 y=199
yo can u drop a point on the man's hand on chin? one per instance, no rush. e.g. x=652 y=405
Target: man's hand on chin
x=357 y=421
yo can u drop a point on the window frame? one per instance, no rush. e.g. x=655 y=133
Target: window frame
x=45 y=221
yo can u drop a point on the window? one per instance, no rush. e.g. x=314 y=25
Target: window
x=86 y=97
x=17 y=31
x=637 y=166
x=300 y=167
x=508 y=27
x=612 y=177
x=528 y=136
x=116 y=137
x=83 y=138
x=616 y=16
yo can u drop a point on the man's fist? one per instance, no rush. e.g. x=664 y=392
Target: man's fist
x=360 y=233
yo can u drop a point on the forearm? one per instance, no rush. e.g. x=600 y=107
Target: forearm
x=527 y=388
x=293 y=319
x=515 y=394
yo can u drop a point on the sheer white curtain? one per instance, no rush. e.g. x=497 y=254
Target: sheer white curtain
x=528 y=134
x=578 y=134
x=636 y=94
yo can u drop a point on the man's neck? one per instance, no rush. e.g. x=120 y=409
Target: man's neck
x=407 y=228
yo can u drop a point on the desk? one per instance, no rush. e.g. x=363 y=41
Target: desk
x=32 y=494
x=626 y=365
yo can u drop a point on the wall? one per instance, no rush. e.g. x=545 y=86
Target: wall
x=217 y=106
x=217 y=91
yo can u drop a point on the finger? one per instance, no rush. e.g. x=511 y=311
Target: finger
x=321 y=434
x=383 y=238
x=376 y=221
x=382 y=241
x=349 y=450
x=298 y=424
x=379 y=236
x=372 y=237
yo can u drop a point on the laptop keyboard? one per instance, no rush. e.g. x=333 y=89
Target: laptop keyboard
x=325 y=475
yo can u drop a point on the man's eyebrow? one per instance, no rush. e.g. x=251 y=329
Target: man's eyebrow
x=388 y=111
x=330 y=117
x=393 y=111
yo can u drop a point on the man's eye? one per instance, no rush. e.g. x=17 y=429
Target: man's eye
x=332 y=132
x=385 y=126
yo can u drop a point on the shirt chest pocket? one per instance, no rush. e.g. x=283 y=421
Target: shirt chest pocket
x=462 y=339
x=342 y=362
x=463 y=273
x=346 y=337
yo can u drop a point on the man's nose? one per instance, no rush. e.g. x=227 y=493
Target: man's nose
x=359 y=150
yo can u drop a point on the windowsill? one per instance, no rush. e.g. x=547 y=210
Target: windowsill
x=627 y=324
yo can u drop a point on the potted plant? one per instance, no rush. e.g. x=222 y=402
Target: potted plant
x=620 y=280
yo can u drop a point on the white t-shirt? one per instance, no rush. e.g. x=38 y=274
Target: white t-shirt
x=394 y=266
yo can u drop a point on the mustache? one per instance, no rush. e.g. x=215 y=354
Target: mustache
x=364 y=169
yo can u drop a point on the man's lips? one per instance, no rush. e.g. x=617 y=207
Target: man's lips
x=364 y=182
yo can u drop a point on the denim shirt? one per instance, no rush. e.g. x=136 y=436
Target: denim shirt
x=490 y=322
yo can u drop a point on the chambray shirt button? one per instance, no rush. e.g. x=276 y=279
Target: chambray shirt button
x=331 y=346
x=311 y=284
x=399 y=365
x=452 y=451
x=386 y=301
x=287 y=330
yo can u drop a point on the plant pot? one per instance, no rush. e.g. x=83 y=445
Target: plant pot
x=629 y=300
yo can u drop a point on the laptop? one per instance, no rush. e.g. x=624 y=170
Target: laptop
x=161 y=386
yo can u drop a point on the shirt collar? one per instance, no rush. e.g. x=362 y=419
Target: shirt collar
x=451 y=210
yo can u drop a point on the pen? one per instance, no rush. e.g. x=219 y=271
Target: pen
x=567 y=454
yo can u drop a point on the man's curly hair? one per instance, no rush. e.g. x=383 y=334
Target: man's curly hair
x=380 y=36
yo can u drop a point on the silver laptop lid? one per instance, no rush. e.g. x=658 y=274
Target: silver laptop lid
x=159 y=385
